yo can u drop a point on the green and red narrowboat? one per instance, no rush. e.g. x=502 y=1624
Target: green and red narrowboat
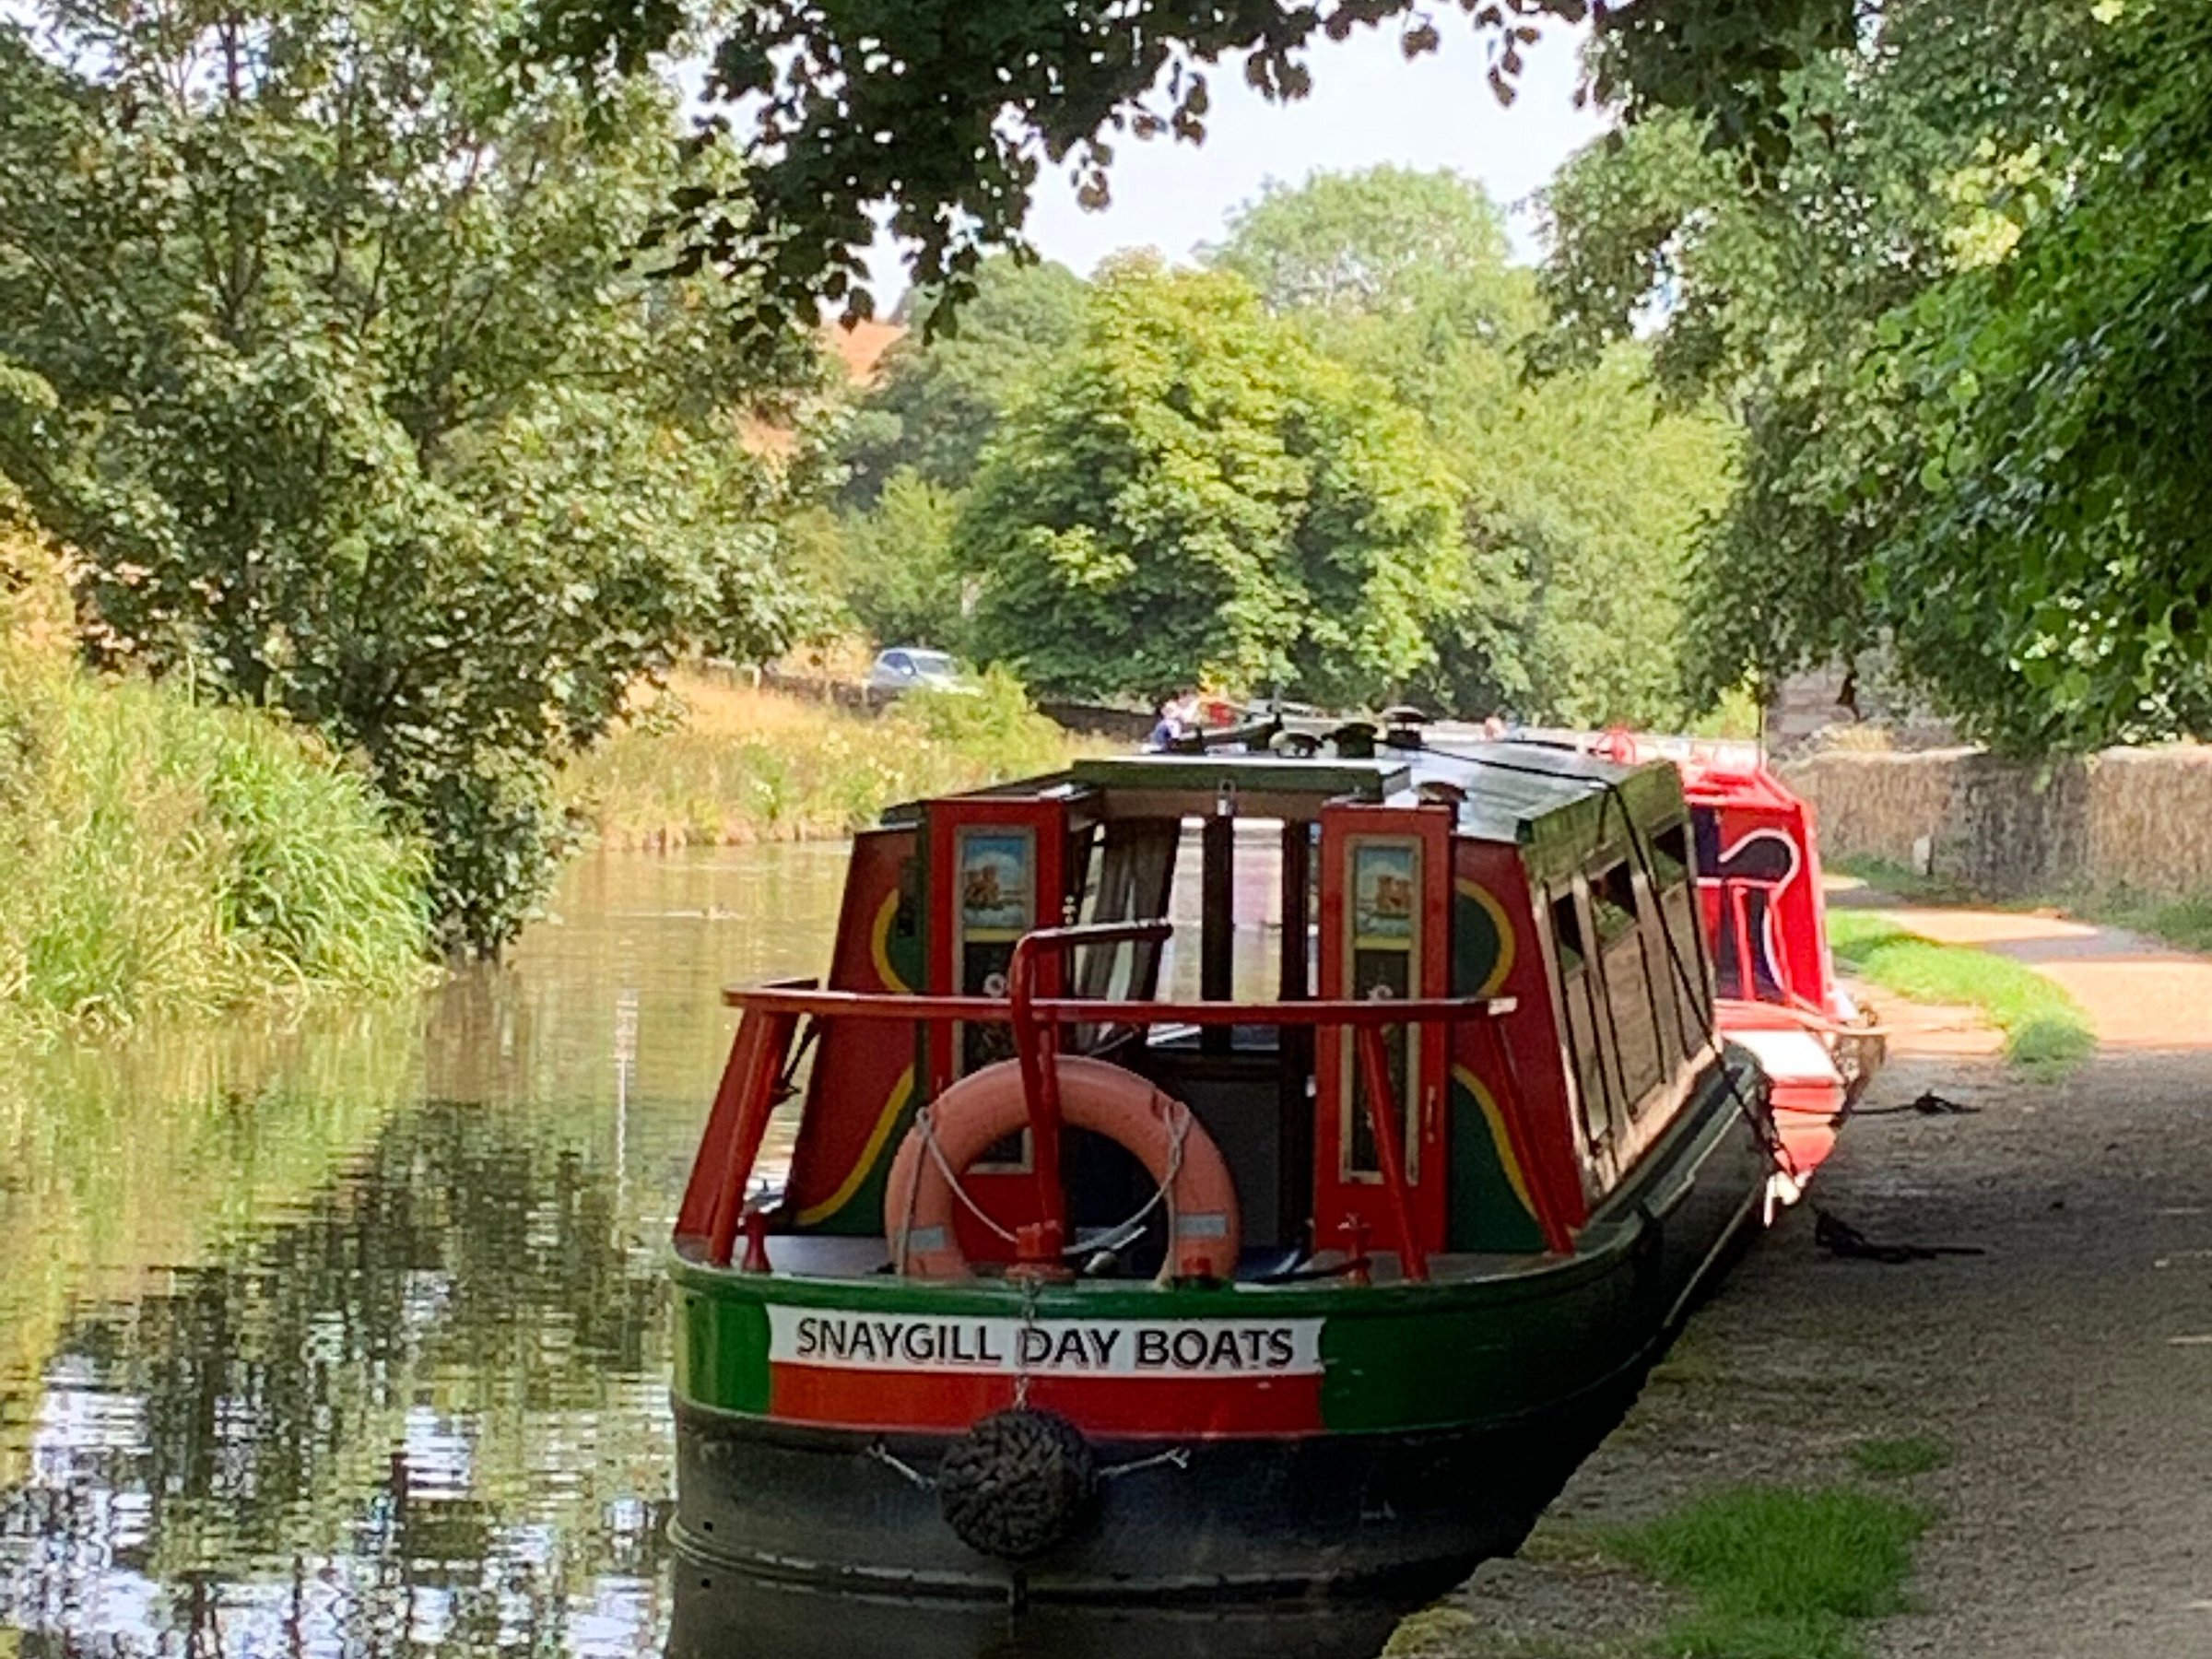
x=1214 y=1173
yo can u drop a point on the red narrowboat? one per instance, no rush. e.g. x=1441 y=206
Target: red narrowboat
x=1758 y=877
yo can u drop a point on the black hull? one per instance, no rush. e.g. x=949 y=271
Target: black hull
x=1403 y=1515
x=726 y=1614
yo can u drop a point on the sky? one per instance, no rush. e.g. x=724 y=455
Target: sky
x=1369 y=105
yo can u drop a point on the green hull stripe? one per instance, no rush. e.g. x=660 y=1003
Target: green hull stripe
x=1396 y=1357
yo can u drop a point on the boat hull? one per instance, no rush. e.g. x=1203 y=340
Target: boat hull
x=1409 y=1431
x=722 y=1611
x=1257 y=1517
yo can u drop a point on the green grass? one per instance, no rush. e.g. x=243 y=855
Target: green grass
x=1902 y=882
x=1777 y=1572
x=2184 y=923
x=160 y=858
x=1894 y=1459
x=2046 y=1030
x=719 y=763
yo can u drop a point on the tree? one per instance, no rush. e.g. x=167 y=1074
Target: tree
x=1581 y=492
x=2050 y=577
x=1199 y=497
x=352 y=404
x=1382 y=247
x=903 y=579
x=945 y=111
x=1957 y=328
x=942 y=391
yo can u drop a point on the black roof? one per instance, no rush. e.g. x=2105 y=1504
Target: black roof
x=1558 y=804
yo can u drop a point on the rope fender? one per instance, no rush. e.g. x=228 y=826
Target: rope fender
x=1018 y=1483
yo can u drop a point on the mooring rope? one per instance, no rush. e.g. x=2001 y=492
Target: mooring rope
x=936 y=1153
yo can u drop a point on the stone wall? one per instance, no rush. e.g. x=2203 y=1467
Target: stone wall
x=2137 y=819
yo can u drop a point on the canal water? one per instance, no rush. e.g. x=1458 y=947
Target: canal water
x=348 y=1335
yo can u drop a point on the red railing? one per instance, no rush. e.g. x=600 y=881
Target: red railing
x=714 y=1203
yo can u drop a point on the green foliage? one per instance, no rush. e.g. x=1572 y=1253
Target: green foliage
x=1581 y=493
x=944 y=388
x=1963 y=329
x=2053 y=580
x=945 y=111
x=2046 y=1032
x=1908 y=1454
x=1386 y=255
x=1605 y=490
x=1778 y=1572
x=902 y=576
x=161 y=858
x=353 y=406
x=1198 y=495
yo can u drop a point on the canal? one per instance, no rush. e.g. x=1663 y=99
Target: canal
x=347 y=1334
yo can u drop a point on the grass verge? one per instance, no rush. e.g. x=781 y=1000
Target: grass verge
x=2046 y=1030
x=160 y=858
x=1895 y=1459
x=712 y=763
x=2185 y=923
x=1777 y=1572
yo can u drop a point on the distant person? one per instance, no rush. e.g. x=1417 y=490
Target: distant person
x=1167 y=729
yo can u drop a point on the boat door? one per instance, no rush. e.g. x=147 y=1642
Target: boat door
x=998 y=866
x=1386 y=934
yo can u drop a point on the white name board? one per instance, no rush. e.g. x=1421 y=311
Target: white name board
x=1096 y=1347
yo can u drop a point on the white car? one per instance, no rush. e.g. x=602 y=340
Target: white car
x=910 y=669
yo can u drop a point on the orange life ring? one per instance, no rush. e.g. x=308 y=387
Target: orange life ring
x=986 y=1106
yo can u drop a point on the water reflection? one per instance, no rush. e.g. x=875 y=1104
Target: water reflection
x=349 y=1338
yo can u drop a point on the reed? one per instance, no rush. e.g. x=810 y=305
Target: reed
x=712 y=763
x=162 y=858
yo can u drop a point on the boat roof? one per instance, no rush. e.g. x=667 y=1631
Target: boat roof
x=1554 y=802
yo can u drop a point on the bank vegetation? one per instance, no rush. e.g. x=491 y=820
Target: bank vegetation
x=707 y=761
x=160 y=857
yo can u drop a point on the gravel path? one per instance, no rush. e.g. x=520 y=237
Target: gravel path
x=2069 y=1367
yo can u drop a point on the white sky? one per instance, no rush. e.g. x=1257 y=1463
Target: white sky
x=1369 y=105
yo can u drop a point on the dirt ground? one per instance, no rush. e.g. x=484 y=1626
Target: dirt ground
x=2068 y=1367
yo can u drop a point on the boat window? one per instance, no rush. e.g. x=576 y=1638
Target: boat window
x=1566 y=933
x=1134 y=868
x=1255 y=912
x=1681 y=959
x=1585 y=1040
x=1634 y=1013
x=1613 y=903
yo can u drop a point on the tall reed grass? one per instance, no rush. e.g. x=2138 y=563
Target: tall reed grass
x=712 y=763
x=162 y=858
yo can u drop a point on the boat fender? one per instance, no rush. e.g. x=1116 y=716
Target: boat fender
x=983 y=1107
x=1018 y=1483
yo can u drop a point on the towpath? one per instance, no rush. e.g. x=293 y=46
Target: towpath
x=2067 y=1369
